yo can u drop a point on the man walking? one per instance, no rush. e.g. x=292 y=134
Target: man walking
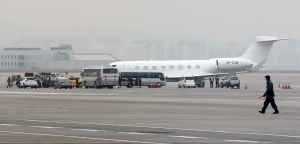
x=217 y=81
x=211 y=79
x=8 y=82
x=269 y=96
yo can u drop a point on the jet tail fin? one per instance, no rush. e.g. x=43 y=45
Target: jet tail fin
x=259 y=51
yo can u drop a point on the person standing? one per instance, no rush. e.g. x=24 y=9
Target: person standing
x=8 y=82
x=119 y=86
x=269 y=96
x=217 y=81
x=77 y=86
x=140 y=82
x=211 y=79
x=130 y=81
x=18 y=81
x=136 y=82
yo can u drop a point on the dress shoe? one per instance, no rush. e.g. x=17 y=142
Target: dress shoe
x=261 y=112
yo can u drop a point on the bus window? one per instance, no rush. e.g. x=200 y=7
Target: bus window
x=161 y=76
x=140 y=75
x=149 y=75
x=124 y=75
x=110 y=71
x=91 y=72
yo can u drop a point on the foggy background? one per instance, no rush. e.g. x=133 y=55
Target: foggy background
x=154 y=29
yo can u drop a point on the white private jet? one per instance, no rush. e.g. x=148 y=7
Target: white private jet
x=251 y=61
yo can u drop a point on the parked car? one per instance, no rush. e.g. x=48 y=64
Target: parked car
x=230 y=81
x=63 y=83
x=28 y=82
x=73 y=80
x=187 y=82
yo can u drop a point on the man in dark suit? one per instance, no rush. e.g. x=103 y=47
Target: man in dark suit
x=269 y=96
x=8 y=82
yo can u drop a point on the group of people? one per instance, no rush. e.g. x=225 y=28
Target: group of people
x=10 y=80
x=212 y=79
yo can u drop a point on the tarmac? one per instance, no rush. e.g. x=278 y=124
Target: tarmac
x=151 y=115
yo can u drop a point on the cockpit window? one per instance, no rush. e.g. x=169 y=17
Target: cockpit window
x=109 y=66
x=114 y=65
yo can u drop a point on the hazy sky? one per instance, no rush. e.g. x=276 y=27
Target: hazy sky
x=213 y=19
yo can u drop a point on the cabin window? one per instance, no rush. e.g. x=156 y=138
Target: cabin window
x=154 y=67
x=171 y=67
x=197 y=66
x=189 y=67
x=163 y=67
x=180 y=67
x=137 y=68
x=145 y=67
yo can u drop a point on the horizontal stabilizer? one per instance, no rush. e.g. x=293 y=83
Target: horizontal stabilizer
x=269 y=39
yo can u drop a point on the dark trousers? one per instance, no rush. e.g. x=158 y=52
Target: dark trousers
x=119 y=85
x=217 y=84
x=211 y=84
x=266 y=103
x=8 y=85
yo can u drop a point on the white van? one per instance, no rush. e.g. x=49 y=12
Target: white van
x=99 y=77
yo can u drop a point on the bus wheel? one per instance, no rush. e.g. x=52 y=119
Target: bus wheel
x=130 y=85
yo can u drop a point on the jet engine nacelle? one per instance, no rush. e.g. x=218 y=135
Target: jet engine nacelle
x=232 y=63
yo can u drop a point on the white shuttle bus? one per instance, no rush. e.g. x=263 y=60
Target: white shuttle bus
x=99 y=77
x=129 y=78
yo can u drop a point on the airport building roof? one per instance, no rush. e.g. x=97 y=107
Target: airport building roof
x=16 y=48
x=93 y=56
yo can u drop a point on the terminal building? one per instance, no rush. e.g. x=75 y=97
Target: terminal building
x=61 y=57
